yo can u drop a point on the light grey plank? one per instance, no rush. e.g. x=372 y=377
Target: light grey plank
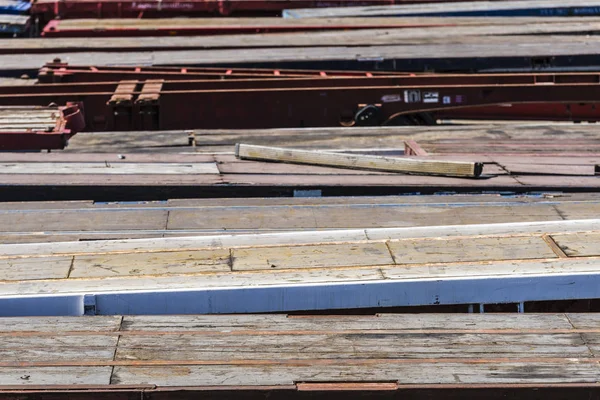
x=20 y=269
x=82 y=220
x=393 y=322
x=333 y=255
x=136 y=264
x=57 y=348
x=100 y=323
x=108 y=168
x=469 y=249
x=438 y=373
x=55 y=376
x=579 y=244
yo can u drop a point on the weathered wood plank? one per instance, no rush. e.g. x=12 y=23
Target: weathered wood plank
x=356 y=216
x=335 y=255
x=19 y=269
x=55 y=376
x=437 y=373
x=391 y=322
x=470 y=249
x=69 y=347
x=579 y=244
x=388 y=164
x=108 y=168
x=86 y=219
x=151 y=263
x=98 y=323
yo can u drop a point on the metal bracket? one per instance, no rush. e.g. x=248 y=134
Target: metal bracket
x=308 y=193
x=89 y=304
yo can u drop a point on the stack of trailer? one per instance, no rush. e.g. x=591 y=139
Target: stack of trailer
x=377 y=198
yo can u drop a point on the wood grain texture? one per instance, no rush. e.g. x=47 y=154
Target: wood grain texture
x=17 y=269
x=108 y=168
x=471 y=249
x=579 y=244
x=257 y=350
x=388 y=164
x=151 y=263
x=335 y=255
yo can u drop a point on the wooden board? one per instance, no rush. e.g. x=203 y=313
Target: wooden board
x=278 y=352
x=151 y=264
x=107 y=168
x=342 y=255
x=579 y=245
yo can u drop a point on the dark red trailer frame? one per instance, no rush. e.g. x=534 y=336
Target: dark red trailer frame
x=50 y=9
x=158 y=104
x=69 y=121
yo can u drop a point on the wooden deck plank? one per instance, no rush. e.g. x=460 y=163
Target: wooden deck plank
x=577 y=211
x=439 y=373
x=151 y=263
x=392 y=322
x=471 y=249
x=49 y=376
x=356 y=216
x=107 y=168
x=32 y=349
x=99 y=323
x=349 y=346
x=35 y=268
x=335 y=255
x=579 y=244
x=86 y=219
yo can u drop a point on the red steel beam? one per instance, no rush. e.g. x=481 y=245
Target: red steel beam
x=58 y=72
x=297 y=102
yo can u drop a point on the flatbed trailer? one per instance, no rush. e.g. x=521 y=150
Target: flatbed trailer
x=38 y=128
x=385 y=356
x=155 y=104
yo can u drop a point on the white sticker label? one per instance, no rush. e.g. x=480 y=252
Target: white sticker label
x=431 y=97
x=447 y=100
x=391 y=98
x=412 y=96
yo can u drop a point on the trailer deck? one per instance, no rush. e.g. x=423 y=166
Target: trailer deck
x=323 y=270
x=386 y=355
